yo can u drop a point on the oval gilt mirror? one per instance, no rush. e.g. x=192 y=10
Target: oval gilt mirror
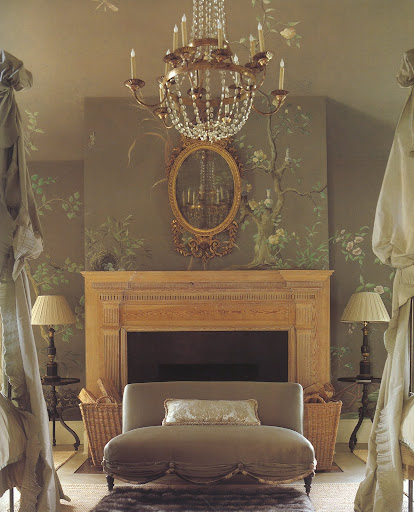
x=204 y=188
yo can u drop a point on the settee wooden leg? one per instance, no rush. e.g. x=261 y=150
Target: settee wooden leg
x=308 y=484
x=110 y=482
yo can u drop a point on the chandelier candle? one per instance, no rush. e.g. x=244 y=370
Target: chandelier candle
x=207 y=92
x=175 y=38
x=133 y=64
x=166 y=64
x=252 y=47
x=184 y=30
x=282 y=74
x=261 y=37
x=219 y=35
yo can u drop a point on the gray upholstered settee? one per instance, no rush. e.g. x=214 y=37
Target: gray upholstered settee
x=274 y=452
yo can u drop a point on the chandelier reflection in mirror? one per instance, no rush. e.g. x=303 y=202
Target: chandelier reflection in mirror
x=205 y=200
x=205 y=92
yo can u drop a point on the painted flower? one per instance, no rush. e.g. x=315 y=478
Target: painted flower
x=286 y=111
x=287 y=156
x=259 y=156
x=358 y=239
x=249 y=186
x=379 y=289
x=342 y=231
x=357 y=251
x=299 y=107
x=288 y=33
x=280 y=232
x=351 y=328
x=273 y=239
x=349 y=246
x=253 y=204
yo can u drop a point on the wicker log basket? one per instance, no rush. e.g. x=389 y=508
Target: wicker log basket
x=320 y=422
x=102 y=418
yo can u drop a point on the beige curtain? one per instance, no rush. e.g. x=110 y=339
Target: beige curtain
x=393 y=243
x=21 y=238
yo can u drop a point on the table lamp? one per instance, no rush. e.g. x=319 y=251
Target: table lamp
x=51 y=310
x=365 y=307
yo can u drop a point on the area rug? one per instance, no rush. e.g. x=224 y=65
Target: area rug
x=87 y=468
x=133 y=499
x=60 y=457
x=332 y=469
x=332 y=497
x=361 y=454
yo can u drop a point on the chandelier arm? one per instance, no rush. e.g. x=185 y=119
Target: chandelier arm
x=266 y=113
x=279 y=95
x=147 y=105
x=263 y=78
x=166 y=125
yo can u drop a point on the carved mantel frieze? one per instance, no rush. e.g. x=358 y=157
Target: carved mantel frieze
x=291 y=300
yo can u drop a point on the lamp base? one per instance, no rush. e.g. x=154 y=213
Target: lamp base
x=365 y=366
x=51 y=371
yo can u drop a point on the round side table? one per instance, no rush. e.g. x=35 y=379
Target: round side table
x=53 y=411
x=364 y=411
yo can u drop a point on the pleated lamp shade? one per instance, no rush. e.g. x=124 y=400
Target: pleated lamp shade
x=52 y=310
x=365 y=307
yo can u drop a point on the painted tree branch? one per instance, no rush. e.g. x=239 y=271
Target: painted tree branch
x=308 y=194
x=255 y=167
x=281 y=170
x=305 y=194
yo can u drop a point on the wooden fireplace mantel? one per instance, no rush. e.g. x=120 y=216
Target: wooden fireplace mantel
x=296 y=301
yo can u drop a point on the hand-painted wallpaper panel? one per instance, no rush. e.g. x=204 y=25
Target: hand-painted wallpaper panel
x=115 y=214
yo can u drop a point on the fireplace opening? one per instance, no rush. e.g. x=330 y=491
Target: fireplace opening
x=212 y=371
x=207 y=355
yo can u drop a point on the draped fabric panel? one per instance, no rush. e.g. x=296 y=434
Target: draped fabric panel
x=393 y=243
x=21 y=238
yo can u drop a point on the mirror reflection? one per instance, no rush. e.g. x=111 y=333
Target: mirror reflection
x=204 y=189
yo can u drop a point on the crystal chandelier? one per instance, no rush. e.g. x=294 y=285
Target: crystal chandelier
x=205 y=92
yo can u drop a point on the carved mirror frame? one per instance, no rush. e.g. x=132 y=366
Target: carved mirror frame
x=204 y=243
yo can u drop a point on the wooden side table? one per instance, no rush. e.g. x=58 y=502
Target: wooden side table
x=364 y=411
x=54 y=413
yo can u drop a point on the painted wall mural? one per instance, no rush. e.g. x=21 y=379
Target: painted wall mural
x=110 y=210
x=57 y=270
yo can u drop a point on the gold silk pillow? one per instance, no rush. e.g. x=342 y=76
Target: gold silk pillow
x=187 y=411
